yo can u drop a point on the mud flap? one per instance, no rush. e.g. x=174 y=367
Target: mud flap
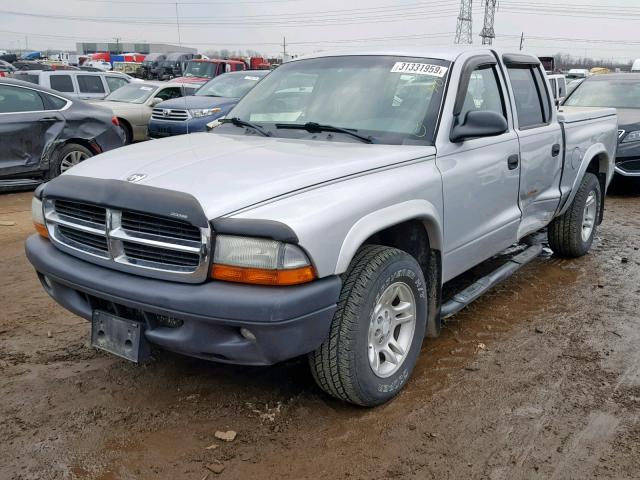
x=119 y=336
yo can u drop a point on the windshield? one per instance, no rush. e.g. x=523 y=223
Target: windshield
x=132 y=93
x=617 y=93
x=393 y=99
x=231 y=86
x=201 y=69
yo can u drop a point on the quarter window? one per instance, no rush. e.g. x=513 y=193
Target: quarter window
x=61 y=83
x=15 y=99
x=90 y=84
x=532 y=103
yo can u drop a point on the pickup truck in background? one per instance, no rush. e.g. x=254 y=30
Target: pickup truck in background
x=325 y=213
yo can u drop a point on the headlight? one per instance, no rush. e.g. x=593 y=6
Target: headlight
x=204 y=112
x=631 y=137
x=260 y=261
x=38 y=217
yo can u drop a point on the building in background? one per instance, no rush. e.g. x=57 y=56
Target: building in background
x=85 y=48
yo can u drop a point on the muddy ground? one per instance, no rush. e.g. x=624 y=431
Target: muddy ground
x=538 y=379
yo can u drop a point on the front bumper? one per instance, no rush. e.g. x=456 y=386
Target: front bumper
x=202 y=320
x=628 y=159
x=169 y=128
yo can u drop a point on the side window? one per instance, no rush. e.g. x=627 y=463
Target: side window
x=115 y=82
x=90 y=84
x=483 y=93
x=169 y=93
x=61 y=83
x=554 y=87
x=532 y=110
x=562 y=88
x=15 y=99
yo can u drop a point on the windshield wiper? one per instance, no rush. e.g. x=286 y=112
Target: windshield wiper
x=243 y=123
x=313 y=127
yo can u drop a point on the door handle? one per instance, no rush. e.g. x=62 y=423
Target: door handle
x=555 y=150
x=47 y=119
x=513 y=161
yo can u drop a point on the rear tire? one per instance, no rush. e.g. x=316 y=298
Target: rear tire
x=127 y=133
x=66 y=157
x=373 y=343
x=571 y=234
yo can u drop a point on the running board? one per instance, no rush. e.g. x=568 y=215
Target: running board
x=472 y=292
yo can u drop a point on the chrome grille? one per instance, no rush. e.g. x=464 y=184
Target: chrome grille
x=176 y=114
x=136 y=242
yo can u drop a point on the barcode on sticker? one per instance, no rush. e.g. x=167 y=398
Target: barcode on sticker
x=419 y=69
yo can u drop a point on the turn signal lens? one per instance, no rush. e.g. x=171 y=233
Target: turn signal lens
x=37 y=216
x=259 y=276
x=41 y=229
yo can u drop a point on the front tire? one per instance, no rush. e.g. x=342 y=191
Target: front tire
x=67 y=157
x=571 y=234
x=377 y=331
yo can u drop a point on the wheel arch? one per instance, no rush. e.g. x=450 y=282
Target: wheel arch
x=414 y=227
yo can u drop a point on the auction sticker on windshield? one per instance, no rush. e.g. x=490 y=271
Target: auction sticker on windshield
x=419 y=69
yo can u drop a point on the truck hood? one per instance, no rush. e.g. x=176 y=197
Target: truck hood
x=226 y=173
x=197 y=101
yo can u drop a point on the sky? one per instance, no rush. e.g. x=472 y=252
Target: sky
x=577 y=27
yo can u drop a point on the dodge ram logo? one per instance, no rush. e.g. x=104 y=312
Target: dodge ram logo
x=136 y=177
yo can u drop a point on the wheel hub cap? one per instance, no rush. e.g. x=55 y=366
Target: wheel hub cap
x=391 y=329
x=589 y=216
x=71 y=159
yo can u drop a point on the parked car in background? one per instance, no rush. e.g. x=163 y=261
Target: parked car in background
x=173 y=65
x=210 y=102
x=133 y=104
x=326 y=223
x=85 y=85
x=558 y=84
x=90 y=69
x=620 y=91
x=31 y=65
x=43 y=133
x=100 y=64
x=6 y=68
x=151 y=66
x=578 y=73
x=201 y=71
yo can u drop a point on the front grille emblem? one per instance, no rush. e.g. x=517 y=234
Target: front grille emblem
x=136 y=177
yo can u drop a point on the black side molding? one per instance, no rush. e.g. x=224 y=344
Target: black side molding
x=255 y=228
x=128 y=196
x=520 y=60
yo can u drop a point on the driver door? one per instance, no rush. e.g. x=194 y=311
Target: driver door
x=480 y=178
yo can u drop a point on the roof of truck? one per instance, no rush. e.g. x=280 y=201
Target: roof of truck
x=443 y=53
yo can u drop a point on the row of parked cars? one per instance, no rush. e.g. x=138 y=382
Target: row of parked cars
x=52 y=120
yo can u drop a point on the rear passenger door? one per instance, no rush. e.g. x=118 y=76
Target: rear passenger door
x=91 y=87
x=541 y=144
x=28 y=126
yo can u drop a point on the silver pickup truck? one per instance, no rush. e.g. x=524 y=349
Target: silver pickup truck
x=325 y=213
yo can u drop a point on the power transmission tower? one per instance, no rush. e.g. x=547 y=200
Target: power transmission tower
x=464 y=27
x=488 y=33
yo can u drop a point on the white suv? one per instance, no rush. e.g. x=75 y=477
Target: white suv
x=76 y=83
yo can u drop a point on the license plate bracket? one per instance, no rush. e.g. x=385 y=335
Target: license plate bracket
x=119 y=336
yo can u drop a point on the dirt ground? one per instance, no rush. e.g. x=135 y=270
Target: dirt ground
x=538 y=379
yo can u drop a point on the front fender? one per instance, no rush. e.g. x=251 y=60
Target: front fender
x=387 y=217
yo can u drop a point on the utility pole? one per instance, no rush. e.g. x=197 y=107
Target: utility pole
x=521 y=40
x=178 y=24
x=488 y=33
x=26 y=42
x=284 y=49
x=117 y=39
x=464 y=27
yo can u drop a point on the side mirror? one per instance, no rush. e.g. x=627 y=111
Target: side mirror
x=155 y=101
x=479 y=123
